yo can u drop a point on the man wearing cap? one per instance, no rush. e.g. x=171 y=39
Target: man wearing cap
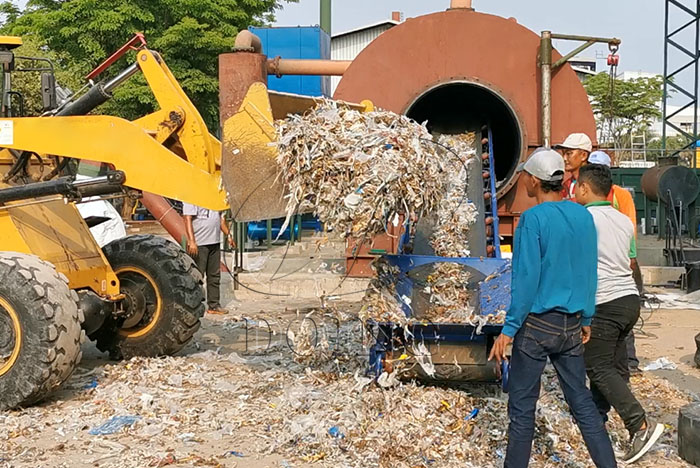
x=553 y=301
x=575 y=151
x=622 y=201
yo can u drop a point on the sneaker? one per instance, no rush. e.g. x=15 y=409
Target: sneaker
x=643 y=441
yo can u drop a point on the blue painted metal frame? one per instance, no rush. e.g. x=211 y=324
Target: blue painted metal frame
x=494 y=292
x=494 y=200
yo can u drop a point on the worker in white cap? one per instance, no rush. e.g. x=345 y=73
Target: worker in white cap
x=575 y=150
x=552 y=304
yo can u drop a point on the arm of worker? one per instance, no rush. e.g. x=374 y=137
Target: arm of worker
x=589 y=262
x=527 y=264
x=192 y=248
x=634 y=265
x=227 y=232
x=188 y=213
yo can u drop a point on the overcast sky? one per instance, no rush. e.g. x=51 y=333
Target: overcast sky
x=639 y=23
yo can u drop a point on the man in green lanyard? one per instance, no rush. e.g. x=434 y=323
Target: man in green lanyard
x=616 y=312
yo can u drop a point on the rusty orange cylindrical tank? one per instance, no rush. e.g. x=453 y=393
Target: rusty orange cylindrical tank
x=458 y=70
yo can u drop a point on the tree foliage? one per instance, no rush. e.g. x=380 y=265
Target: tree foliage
x=189 y=34
x=634 y=105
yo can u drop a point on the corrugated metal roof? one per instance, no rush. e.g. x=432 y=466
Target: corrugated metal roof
x=389 y=23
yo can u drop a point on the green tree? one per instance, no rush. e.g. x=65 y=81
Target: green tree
x=28 y=83
x=633 y=108
x=189 y=34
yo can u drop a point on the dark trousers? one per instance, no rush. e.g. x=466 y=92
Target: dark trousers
x=556 y=336
x=208 y=262
x=632 y=359
x=606 y=360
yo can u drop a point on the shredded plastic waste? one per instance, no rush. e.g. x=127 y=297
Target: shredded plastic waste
x=357 y=171
x=198 y=409
x=114 y=424
x=663 y=363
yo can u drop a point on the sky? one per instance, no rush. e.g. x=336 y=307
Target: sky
x=639 y=23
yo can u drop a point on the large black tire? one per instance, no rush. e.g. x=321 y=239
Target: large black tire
x=170 y=302
x=37 y=306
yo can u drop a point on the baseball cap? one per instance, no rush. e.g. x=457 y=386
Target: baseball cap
x=545 y=164
x=599 y=157
x=578 y=141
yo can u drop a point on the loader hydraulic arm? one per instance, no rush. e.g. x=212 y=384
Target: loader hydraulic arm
x=169 y=152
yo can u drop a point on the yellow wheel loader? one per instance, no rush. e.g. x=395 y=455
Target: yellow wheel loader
x=140 y=295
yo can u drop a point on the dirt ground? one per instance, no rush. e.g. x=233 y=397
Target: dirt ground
x=232 y=401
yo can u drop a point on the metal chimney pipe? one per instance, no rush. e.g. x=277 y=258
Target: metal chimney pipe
x=461 y=4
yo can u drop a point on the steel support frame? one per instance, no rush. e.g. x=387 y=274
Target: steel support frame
x=693 y=54
x=547 y=67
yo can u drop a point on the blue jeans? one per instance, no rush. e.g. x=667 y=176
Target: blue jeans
x=556 y=336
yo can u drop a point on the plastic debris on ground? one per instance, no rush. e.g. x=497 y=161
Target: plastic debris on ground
x=206 y=408
x=357 y=171
x=663 y=363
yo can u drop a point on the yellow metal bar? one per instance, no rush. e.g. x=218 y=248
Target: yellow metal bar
x=194 y=137
x=148 y=165
x=55 y=232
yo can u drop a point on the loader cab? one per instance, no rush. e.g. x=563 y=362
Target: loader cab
x=13 y=101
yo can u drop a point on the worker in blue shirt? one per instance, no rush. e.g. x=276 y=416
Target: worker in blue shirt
x=554 y=290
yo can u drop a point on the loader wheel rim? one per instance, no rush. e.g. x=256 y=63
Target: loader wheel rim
x=136 y=274
x=7 y=310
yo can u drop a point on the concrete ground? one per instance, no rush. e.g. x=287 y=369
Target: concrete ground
x=193 y=407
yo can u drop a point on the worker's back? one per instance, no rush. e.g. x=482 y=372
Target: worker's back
x=558 y=245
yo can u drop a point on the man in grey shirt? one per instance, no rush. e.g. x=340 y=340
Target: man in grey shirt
x=203 y=228
x=616 y=312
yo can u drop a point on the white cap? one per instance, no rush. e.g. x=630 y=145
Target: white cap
x=578 y=141
x=545 y=164
x=599 y=157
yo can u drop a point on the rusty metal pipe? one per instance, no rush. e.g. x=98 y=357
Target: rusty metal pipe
x=279 y=67
x=461 y=4
x=247 y=41
x=166 y=215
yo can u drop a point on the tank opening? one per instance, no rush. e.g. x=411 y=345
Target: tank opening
x=462 y=107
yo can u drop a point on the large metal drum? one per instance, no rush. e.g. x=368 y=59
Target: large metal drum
x=680 y=181
x=459 y=69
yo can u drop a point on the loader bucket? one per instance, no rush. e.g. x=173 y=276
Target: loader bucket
x=248 y=162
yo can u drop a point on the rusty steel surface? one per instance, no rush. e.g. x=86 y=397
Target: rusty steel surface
x=237 y=71
x=166 y=215
x=680 y=180
x=280 y=66
x=461 y=46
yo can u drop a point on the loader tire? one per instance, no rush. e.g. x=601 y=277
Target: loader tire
x=40 y=332
x=164 y=298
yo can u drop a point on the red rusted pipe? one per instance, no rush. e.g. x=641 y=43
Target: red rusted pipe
x=247 y=41
x=166 y=215
x=279 y=66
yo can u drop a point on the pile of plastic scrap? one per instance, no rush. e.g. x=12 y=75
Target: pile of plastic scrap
x=357 y=171
x=219 y=408
x=450 y=292
x=456 y=213
x=381 y=302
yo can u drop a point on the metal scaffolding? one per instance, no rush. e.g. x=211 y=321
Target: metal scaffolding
x=686 y=40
